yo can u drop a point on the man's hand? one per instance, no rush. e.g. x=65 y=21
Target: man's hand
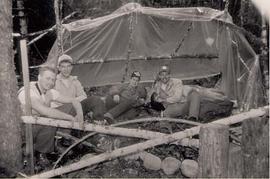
x=116 y=98
x=160 y=99
x=79 y=118
x=163 y=95
x=141 y=101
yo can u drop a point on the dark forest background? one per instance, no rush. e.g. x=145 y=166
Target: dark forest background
x=39 y=15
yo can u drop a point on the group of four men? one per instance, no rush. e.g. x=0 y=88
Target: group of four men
x=62 y=96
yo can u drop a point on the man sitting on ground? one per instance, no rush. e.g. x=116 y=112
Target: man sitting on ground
x=41 y=95
x=127 y=99
x=70 y=86
x=175 y=97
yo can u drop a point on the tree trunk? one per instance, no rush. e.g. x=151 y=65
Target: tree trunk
x=23 y=24
x=255 y=147
x=214 y=151
x=10 y=123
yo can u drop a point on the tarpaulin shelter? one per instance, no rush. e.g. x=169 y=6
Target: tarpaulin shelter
x=195 y=42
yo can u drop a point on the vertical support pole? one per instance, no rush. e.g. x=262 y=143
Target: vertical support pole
x=28 y=131
x=58 y=12
x=255 y=148
x=23 y=23
x=214 y=151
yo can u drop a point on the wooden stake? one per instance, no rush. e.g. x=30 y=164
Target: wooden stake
x=28 y=110
x=214 y=151
x=141 y=146
x=255 y=148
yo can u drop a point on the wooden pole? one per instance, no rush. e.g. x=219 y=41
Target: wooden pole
x=255 y=148
x=28 y=131
x=214 y=151
x=57 y=10
x=93 y=127
x=138 y=147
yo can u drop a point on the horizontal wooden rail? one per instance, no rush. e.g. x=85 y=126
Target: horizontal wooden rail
x=144 y=134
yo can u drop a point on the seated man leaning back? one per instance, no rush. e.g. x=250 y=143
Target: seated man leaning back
x=177 y=100
x=70 y=86
x=41 y=95
x=128 y=99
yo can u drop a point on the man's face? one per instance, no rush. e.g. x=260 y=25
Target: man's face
x=134 y=81
x=47 y=80
x=164 y=77
x=65 y=69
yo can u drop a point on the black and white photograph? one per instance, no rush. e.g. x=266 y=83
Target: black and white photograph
x=134 y=88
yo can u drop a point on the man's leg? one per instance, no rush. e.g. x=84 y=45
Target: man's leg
x=66 y=108
x=94 y=104
x=194 y=104
x=44 y=138
x=132 y=113
x=176 y=109
x=110 y=103
x=123 y=106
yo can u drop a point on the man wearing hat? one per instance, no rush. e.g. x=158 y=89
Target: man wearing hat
x=128 y=98
x=177 y=99
x=70 y=86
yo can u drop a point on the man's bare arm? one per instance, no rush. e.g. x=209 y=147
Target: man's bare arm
x=76 y=104
x=50 y=112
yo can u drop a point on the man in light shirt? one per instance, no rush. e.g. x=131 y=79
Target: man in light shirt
x=178 y=100
x=70 y=86
x=41 y=96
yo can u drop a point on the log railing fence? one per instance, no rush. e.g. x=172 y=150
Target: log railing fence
x=255 y=136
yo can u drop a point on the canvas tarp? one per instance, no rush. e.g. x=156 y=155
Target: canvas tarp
x=194 y=42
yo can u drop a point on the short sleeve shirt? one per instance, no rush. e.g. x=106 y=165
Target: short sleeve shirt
x=35 y=94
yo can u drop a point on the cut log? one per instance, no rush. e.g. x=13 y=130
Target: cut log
x=214 y=151
x=144 y=145
x=170 y=165
x=255 y=148
x=189 y=168
x=150 y=161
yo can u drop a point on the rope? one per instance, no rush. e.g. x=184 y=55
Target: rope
x=129 y=47
x=39 y=52
x=226 y=6
x=183 y=39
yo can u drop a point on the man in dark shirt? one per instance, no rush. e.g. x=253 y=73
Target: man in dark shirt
x=126 y=99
